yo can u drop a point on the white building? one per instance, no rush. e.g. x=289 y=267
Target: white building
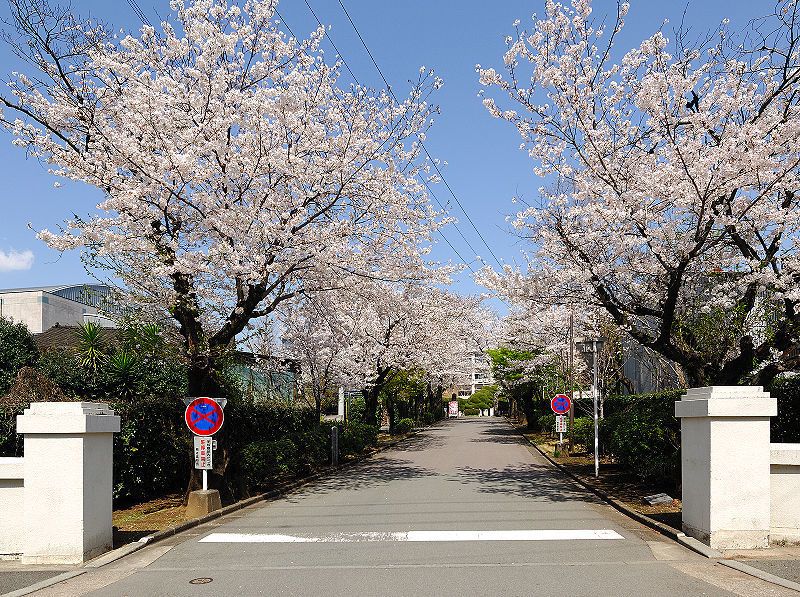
x=480 y=369
x=42 y=308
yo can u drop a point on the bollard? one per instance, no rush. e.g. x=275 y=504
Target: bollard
x=335 y=445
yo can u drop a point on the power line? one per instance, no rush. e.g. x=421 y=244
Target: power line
x=425 y=149
x=355 y=78
x=139 y=12
x=425 y=182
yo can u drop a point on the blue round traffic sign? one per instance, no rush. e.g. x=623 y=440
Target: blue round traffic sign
x=560 y=404
x=204 y=416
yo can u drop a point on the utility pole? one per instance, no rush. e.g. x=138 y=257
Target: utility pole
x=571 y=376
x=595 y=392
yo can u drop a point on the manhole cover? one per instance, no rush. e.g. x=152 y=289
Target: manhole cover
x=200 y=581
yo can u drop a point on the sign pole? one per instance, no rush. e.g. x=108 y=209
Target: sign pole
x=205 y=480
x=594 y=397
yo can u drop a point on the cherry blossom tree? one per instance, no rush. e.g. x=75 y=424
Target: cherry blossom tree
x=671 y=195
x=236 y=173
x=365 y=335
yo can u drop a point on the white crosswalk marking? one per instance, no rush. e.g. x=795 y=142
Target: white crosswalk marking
x=420 y=536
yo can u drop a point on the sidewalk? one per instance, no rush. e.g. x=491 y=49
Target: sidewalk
x=779 y=564
x=14 y=576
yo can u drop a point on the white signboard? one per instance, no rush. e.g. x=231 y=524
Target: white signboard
x=453 y=408
x=561 y=424
x=203 y=450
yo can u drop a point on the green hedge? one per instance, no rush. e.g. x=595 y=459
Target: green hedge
x=785 y=428
x=644 y=435
x=357 y=437
x=403 y=426
x=153 y=450
x=546 y=423
x=265 y=461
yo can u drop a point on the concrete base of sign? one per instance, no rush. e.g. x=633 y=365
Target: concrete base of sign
x=202 y=503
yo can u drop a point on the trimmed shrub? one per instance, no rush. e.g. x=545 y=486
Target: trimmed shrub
x=785 y=428
x=265 y=461
x=403 y=426
x=313 y=448
x=644 y=435
x=357 y=437
x=152 y=449
x=583 y=432
x=546 y=423
x=427 y=418
x=471 y=411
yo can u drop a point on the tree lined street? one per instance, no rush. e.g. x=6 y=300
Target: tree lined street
x=464 y=475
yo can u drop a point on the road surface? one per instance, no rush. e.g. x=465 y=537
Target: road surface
x=464 y=508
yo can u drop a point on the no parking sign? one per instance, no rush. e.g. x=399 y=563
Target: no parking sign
x=204 y=416
x=560 y=404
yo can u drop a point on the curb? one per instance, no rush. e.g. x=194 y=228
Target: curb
x=678 y=536
x=752 y=571
x=121 y=552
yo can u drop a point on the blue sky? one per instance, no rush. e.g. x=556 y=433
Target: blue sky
x=485 y=167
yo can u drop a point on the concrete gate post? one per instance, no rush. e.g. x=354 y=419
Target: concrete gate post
x=725 y=468
x=68 y=480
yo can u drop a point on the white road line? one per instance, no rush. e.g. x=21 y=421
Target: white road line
x=418 y=536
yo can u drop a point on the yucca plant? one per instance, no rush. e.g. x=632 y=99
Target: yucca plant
x=91 y=349
x=122 y=368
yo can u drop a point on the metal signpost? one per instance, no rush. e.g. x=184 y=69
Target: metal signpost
x=592 y=347
x=204 y=417
x=334 y=445
x=560 y=404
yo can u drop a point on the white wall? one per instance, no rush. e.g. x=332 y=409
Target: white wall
x=24 y=307
x=40 y=310
x=784 y=492
x=12 y=505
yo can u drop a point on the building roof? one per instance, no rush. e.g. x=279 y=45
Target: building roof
x=49 y=289
x=92 y=295
x=66 y=336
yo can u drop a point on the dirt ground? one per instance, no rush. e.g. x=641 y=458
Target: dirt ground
x=134 y=522
x=615 y=482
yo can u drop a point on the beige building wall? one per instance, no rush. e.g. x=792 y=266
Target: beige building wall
x=40 y=310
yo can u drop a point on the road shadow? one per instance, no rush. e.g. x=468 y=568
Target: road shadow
x=369 y=473
x=500 y=435
x=533 y=481
x=420 y=443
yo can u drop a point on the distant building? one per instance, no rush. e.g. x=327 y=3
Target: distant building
x=480 y=372
x=68 y=305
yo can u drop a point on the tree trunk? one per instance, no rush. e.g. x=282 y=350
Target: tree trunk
x=371 y=396
x=390 y=411
x=371 y=405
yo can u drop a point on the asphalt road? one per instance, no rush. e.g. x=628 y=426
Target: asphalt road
x=359 y=534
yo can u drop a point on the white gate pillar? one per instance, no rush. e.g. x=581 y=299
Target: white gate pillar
x=68 y=480
x=725 y=453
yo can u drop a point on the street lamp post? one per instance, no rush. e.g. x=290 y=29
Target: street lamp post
x=592 y=347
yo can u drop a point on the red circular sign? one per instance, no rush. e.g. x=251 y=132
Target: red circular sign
x=204 y=416
x=560 y=404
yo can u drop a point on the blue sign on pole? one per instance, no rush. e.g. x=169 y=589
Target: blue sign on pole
x=204 y=416
x=560 y=404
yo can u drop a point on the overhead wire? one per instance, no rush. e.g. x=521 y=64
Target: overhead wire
x=355 y=78
x=425 y=149
x=139 y=12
